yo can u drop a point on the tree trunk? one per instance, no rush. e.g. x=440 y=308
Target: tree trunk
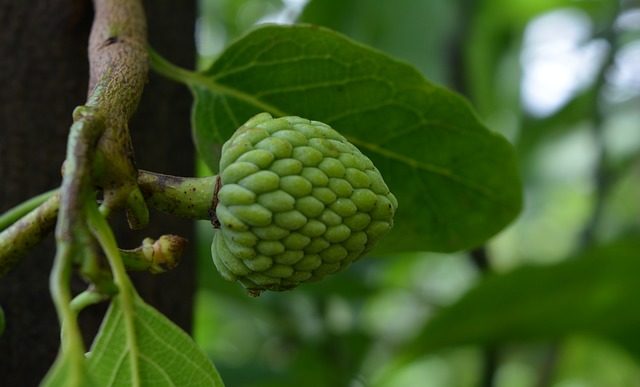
x=44 y=75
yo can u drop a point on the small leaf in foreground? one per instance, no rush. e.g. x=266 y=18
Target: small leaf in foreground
x=59 y=375
x=457 y=182
x=596 y=292
x=166 y=355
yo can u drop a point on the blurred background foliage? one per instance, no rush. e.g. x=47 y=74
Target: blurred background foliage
x=561 y=80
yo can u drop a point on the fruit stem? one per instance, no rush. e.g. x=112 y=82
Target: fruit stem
x=187 y=197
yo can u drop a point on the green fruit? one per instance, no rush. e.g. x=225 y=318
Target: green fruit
x=296 y=202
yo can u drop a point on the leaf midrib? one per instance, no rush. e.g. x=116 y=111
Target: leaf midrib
x=195 y=79
x=199 y=80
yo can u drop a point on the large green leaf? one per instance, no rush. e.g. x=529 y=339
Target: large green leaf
x=165 y=355
x=457 y=183
x=61 y=373
x=596 y=292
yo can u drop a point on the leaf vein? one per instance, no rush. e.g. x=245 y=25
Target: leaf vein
x=155 y=336
x=155 y=365
x=251 y=65
x=117 y=367
x=425 y=166
x=318 y=85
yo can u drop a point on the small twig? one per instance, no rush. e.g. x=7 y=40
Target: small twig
x=602 y=177
x=491 y=361
x=491 y=353
x=72 y=347
x=548 y=368
x=480 y=259
x=27 y=232
x=87 y=298
x=14 y=214
x=187 y=197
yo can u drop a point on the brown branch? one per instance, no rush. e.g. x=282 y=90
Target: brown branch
x=118 y=72
x=99 y=154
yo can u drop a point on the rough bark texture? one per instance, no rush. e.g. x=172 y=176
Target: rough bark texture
x=44 y=75
x=165 y=146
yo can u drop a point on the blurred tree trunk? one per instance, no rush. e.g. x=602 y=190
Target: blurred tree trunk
x=44 y=73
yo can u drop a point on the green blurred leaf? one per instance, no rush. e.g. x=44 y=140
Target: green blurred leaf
x=412 y=30
x=577 y=110
x=166 y=355
x=457 y=183
x=596 y=292
x=220 y=21
x=589 y=360
x=59 y=374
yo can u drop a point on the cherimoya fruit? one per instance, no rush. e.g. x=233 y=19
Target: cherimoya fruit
x=297 y=201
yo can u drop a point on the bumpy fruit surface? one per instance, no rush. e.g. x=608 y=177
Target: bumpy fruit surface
x=297 y=202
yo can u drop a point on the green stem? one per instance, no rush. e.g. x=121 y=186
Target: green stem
x=27 y=232
x=72 y=234
x=11 y=216
x=87 y=298
x=187 y=197
x=169 y=70
x=126 y=292
x=192 y=78
x=72 y=347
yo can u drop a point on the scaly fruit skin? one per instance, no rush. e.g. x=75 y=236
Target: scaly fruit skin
x=297 y=202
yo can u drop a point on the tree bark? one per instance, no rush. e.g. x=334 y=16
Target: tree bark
x=44 y=75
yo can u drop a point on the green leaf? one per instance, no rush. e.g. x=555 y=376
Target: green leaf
x=596 y=293
x=60 y=374
x=166 y=355
x=457 y=183
x=537 y=130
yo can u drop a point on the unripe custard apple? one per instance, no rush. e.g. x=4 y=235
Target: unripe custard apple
x=296 y=201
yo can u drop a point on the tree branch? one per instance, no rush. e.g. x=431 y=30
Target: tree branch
x=99 y=154
x=21 y=236
x=186 y=197
x=118 y=72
